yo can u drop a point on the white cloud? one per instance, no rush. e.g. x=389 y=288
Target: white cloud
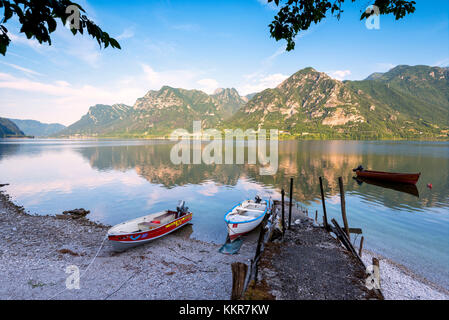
x=178 y=78
x=340 y=74
x=25 y=70
x=20 y=39
x=258 y=82
x=442 y=63
x=65 y=102
x=58 y=101
x=384 y=66
x=269 y=60
x=159 y=48
x=271 y=5
x=208 y=189
x=208 y=85
x=126 y=34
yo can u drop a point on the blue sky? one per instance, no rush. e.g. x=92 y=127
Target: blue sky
x=202 y=45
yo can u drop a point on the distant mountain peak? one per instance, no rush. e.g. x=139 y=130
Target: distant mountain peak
x=405 y=101
x=9 y=129
x=38 y=129
x=159 y=111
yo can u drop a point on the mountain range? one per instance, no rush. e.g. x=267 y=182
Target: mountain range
x=159 y=113
x=407 y=102
x=38 y=129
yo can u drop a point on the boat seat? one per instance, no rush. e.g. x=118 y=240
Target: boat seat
x=249 y=213
x=144 y=226
x=166 y=218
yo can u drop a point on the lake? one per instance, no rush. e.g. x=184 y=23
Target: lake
x=119 y=180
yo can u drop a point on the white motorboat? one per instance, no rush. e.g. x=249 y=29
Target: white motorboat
x=246 y=216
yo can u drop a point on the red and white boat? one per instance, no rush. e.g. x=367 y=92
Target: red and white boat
x=145 y=229
x=246 y=216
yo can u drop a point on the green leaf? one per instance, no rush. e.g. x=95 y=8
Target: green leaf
x=51 y=24
x=115 y=44
x=8 y=12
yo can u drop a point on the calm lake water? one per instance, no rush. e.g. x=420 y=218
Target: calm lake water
x=120 y=180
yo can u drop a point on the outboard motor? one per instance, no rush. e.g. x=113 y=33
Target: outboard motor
x=181 y=208
x=359 y=168
x=258 y=199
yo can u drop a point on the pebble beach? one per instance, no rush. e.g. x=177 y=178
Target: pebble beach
x=36 y=252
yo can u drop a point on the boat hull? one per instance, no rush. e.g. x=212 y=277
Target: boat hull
x=236 y=230
x=239 y=228
x=124 y=241
x=409 y=178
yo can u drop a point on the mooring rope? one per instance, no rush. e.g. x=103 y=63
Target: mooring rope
x=85 y=270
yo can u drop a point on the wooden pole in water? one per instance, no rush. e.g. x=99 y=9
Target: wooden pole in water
x=258 y=249
x=239 y=271
x=343 y=206
x=326 y=226
x=316 y=216
x=260 y=241
x=361 y=246
x=283 y=211
x=290 y=204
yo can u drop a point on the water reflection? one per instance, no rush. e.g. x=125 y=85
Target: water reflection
x=305 y=161
x=119 y=180
x=401 y=187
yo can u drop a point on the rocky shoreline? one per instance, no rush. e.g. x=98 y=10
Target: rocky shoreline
x=399 y=283
x=35 y=252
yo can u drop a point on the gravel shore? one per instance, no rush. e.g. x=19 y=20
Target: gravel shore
x=36 y=250
x=399 y=283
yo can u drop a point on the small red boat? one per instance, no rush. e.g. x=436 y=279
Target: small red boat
x=145 y=229
x=409 y=178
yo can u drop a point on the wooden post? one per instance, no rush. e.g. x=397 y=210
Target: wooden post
x=258 y=249
x=345 y=240
x=283 y=211
x=239 y=271
x=326 y=226
x=361 y=246
x=290 y=204
x=260 y=241
x=316 y=216
x=343 y=206
x=376 y=270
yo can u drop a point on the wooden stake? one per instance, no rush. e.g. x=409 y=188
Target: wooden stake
x=326 y=226
x=316 y=216
x=376 y=269
x=361 y=246
x=345 y=240
x=260 y=241
x=290 y=204
x=239 y=271
x=343 y=207
x=283 y=211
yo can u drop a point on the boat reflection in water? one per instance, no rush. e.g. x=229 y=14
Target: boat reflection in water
x=401 y=187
